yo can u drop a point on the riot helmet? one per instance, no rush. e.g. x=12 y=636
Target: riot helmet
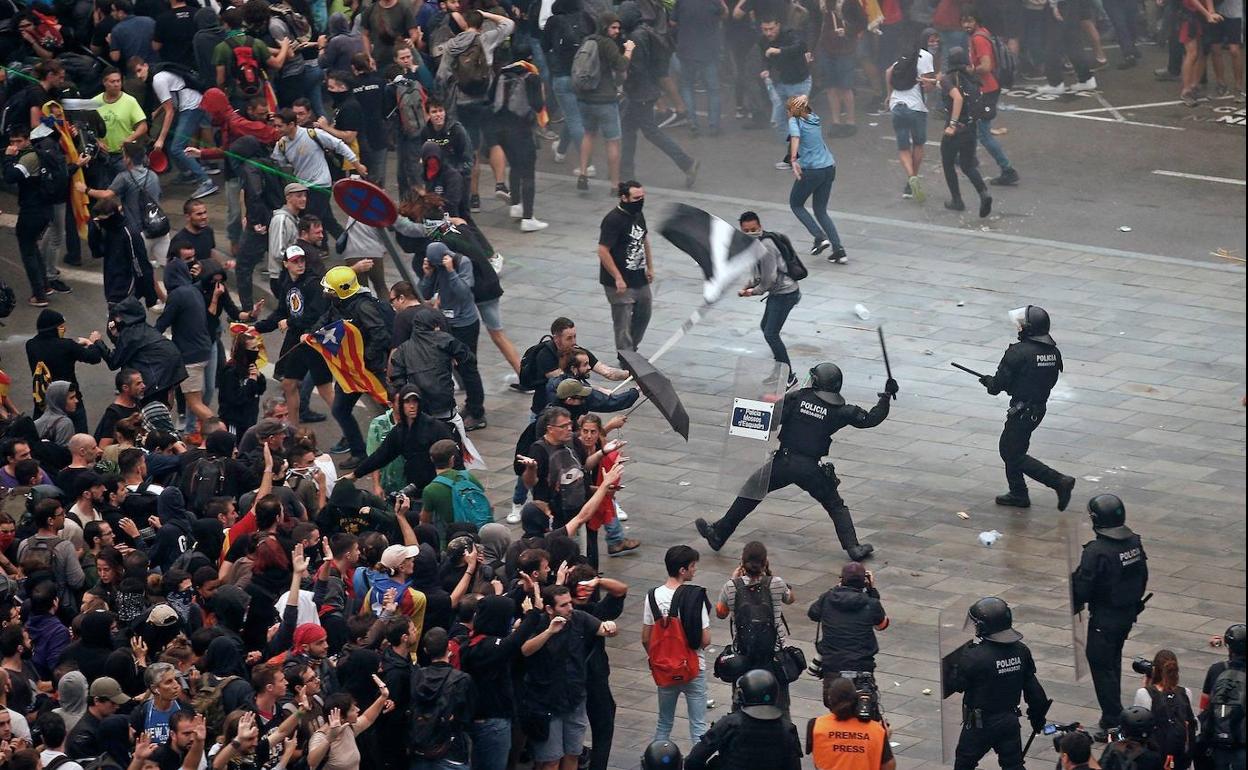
x=1136 y=722
x=756 y=693
x=1234 y=639
x=993 y=620
x=826 y=379
x=1033 y=324
x=662 y=755
x=1109 y=517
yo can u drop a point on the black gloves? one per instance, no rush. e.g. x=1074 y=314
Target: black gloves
x=1037 y=722
x=890 y=387
x=986 y=381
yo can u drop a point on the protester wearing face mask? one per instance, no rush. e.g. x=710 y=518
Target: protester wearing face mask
x=627 y=266
x=771 y=278
x=348 y=116
x=120 y=245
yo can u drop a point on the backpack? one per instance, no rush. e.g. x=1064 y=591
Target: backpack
x=793 y=266
x=8 y=299
x=1004 y=61
x=511 y=94
x=245 y=70
x=975 y=107
x=208 y=702
x=203 y=481
x=754 y=623
x=472 y=70
x=672 y=662
x=1225 y=715
x=16 y=104
x=53 y=175
x=429 y=732
x=296 y=23
x=410 y=97
x=1173 y=724
x=468 y=500
x=905 y=74
x=1122 y=755
x=530 y=378
x=189 y=75
x=587 y=67
x=155 y=224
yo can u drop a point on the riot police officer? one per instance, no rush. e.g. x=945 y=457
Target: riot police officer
x=809 y=417
x=1028 y=371
x=1110 y=580
x=992 y=671
x=1132 y=750
x=661 y=755
x=753 y=736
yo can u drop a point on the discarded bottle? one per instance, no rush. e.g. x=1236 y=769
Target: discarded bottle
x=861 y=311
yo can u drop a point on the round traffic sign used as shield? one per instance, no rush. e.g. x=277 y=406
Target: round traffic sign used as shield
x=157 y=161
x=365 y=202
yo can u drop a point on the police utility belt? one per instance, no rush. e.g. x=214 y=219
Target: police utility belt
x=1024 y=409
x=975 y=717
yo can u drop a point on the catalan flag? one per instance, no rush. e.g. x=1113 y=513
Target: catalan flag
x=342 y=347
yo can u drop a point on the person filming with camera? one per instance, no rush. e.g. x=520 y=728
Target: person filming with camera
x=1134 y=748
x=843 y=739
x=1174 y=719
x=848 y=616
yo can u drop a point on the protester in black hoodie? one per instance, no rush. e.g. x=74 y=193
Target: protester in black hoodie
x=849 y=614
x=241 y=384
x=492 y=650
x=127 y=270
x=95 y=643
x=411 y=437
x=52 y=356
x=141 y=347
x=442 y=178
x=428 y=360
x=454 y=691
x=175 y=535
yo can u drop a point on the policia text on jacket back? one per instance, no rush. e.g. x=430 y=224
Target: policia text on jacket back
x=993 y=671
x=809 y=417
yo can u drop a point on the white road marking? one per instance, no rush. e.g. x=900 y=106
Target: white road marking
x=1099 y=118
x=1127 y=107
x=1112 y=109
x=1200 y=177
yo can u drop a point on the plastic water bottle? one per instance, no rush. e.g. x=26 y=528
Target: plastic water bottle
x=861 y=311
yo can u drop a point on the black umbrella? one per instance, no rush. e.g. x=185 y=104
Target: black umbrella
x=658 y=388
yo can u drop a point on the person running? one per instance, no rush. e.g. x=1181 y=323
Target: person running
x=814 y=171
x=957 y=146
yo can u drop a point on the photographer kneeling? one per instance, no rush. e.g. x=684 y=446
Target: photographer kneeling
x=1076 y=751
x=843 y=740
x=1133 y=750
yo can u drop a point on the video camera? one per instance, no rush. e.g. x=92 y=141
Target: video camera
x=1142 y=665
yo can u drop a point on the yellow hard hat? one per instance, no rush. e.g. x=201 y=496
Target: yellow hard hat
x=342 y=281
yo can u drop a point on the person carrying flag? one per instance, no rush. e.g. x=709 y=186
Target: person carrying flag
x=349 y=303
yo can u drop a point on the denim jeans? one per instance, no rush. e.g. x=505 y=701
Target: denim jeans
x=344 y=403
x=695 y=700
x=779 y=110
x=234 y=210
x=984 y=130
x=708 y=72
x=573 y=129
x=775 y=313
x=1124 y=16
x=491 y=742
x=815 y=183
x=52 y=244
x=183 y=132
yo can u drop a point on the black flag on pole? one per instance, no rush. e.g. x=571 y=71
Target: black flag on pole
x=724 y=253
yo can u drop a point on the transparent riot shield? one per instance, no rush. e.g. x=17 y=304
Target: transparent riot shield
x=952 y=636
x=751 y=426
x=1076 y=530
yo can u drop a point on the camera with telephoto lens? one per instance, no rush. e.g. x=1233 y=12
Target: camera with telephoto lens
x=408 y=491
x=1060 y=731
x=1142 y=666
x=868 y=697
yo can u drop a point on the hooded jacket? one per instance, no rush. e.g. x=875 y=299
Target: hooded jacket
x=208 y=32
x=49 y=637
x=300 y=303
x=258 y=202
x=53 y=357
x=364 y=310
x=127 y=270
x=453 y=138
x=139 y=346
x=343 y=43
x=849 y=617
x=224 y=658
x=427 y=360
x=54 y=424
x=439 y=682
x=95 y=643
x=453 y=287
x=186 y=313
x=229 y=604
x=176 y=534
x=71 y=691
x=565 y=30
x=231 y=125
x=613 y=64
x=490 y=653
x=411 y=441
x=489 y=37
x=642 y=83
x=442 y=178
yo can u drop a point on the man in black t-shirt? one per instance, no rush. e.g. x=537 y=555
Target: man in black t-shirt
x=370 y=91
x=551 y=469
x=197 y=232
x=627 y=266
x=175 y=29
x=130 y=389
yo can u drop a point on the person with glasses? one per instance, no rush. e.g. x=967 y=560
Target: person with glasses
x=49 y=520
x=551 y=470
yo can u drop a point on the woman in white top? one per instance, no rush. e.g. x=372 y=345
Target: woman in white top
x=1174 y=717
x=755 y=570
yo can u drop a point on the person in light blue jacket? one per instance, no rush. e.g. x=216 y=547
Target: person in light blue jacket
x=814 y=171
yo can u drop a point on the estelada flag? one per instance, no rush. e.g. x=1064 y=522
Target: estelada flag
x=342 y=347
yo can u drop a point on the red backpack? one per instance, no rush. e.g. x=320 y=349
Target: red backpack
x=672 y=662
x=248 y=75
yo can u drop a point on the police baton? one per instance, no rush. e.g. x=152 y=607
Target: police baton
x=1034 y=732
x=884 y=349
x=957 y=365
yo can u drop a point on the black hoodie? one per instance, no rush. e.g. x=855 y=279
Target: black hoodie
x=439 y=682
x=175 y=535
x=490 y=653
x=565 y=30
x=49 y=352
x=442 y=178
x=95 y=643
x=127 y=270
x=427 y=360
x=849 y=617
x=411 y=441
x=141 y=347
x=185 y=313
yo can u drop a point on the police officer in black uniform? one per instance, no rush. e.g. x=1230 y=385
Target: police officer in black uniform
x=992 y=671
x=809 y=417
x=1132 y=751
x=662 y=755
x=1110 y=580
x=753 y=736
x=1028 y=371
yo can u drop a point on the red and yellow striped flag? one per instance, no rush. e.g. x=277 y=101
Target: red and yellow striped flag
x=342 y=347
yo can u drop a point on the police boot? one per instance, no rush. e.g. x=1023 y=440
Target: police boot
x=1014 y=500
x=1064 y=488
x=860 y=552
x=707 y=531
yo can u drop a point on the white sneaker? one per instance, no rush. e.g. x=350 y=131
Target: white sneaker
x=516 y=211
x=559 y=156
x=1087 y=85
x=511 y=379
x=514 y=516
x=590 y=171
x=620 y=513
x=496 y=262
x=532 y=225
x=1047 y=90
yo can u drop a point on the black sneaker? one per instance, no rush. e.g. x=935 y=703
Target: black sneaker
x=57 y=286
x=955 y=205
x=838 y=256
x=985 y=206
x=1014 y=501
x=474 y=423
x=860 y=552
x=820 y=247
x=1008 y=178
x=474 y=203
x=906 y=192
x=708 y=532
x=341 y=448
x=1064 y=489
x=582 y=182
x=502 y=193
x=792 y=383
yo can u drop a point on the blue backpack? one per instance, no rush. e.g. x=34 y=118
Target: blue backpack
x=468 y=501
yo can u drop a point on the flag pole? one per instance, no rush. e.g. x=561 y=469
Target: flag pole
x=689 y=323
